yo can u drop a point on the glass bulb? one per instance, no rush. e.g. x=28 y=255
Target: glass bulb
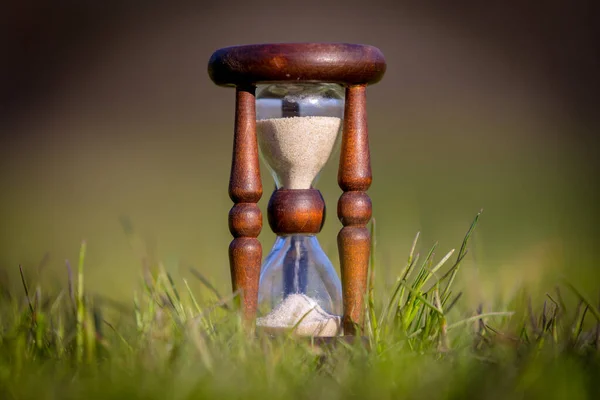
x=299 y=288
x=298 y=127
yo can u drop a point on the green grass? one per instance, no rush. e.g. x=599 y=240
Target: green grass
x=171 y=343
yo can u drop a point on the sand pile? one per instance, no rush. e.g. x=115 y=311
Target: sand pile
x=297 y=148
x=296 y=307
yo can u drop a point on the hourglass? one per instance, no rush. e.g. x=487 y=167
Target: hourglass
x=292 y=102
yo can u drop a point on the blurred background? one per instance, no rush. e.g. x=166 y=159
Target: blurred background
x=112 y=132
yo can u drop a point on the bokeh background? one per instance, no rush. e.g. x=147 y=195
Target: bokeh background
x=112 y=132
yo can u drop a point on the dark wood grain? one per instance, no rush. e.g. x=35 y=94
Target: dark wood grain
x=354 y=208
x=245 y=218
x=245 y=257
x=354 y=244
x=245 y=185
x=354 y=173
x=296 y=211
x=317 y=62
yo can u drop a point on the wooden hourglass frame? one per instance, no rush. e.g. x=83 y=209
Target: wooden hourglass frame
x=300 y=211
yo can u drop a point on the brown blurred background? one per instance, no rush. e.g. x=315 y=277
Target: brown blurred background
x=108 y=118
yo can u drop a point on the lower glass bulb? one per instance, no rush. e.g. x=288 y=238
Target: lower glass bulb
x=299 y=289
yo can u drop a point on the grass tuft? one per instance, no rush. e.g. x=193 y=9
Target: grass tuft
x=173 y=343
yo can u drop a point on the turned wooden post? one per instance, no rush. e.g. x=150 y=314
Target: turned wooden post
x=354 y=207
x=245 y=218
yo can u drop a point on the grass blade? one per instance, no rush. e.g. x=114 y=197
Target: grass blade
x=462 y=252
x=24 y=282
x=480 y=316
x=583 y=298
x=372 y=318
x=80 y=304
x=421 y=298
x=207 y=283
x=411 y=258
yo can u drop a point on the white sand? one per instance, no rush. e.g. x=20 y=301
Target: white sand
x=297 y=148
x=315 y=320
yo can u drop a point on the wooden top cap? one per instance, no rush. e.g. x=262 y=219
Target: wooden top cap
x=342 y=63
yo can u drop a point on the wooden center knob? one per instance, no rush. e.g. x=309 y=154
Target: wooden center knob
x=292 y=211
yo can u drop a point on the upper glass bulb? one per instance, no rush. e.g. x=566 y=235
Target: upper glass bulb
x=298 y=126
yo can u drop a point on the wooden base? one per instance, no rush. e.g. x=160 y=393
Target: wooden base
x=319 y=343
x=334 y=341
